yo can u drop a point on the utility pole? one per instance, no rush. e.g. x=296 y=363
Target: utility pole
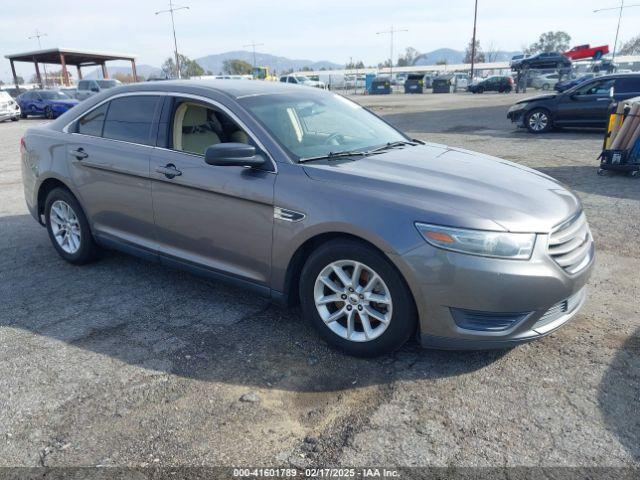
x=253 y=45
x=173 y=8
x=391 y=32
x=39 y=35
x=473 y=40
x=621 y=8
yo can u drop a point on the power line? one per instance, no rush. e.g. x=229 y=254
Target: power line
x=621 y=8
x=253 y=45
x=173 y=8
x=391 y=32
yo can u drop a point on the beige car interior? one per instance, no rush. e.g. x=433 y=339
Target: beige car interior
x=196 y=127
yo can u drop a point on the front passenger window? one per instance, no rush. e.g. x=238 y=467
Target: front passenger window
x=196 y=127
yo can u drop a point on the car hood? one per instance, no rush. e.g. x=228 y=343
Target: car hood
x=456 y=187
x=537 y=98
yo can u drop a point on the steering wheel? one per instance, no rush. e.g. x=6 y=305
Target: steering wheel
x=334 y=139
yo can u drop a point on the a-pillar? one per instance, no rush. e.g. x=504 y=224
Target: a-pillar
x=105 y=72
x=79 y=72
x=65 y=73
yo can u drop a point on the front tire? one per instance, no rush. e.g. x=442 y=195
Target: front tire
x=356 y=299
x=538 y=120
x=68 y=228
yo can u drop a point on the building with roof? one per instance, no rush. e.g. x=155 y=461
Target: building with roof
x=65 y=57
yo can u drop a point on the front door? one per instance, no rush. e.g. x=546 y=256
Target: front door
x=109 y=162
x=587 y=106
x=216 y=217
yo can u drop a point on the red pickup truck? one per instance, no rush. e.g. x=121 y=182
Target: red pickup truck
x=587 y=51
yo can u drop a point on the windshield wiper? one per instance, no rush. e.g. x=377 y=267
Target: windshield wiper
x=390 y=145
x=330 y=155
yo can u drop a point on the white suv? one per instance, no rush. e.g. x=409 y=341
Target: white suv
x=9 y=108
x=301 y=80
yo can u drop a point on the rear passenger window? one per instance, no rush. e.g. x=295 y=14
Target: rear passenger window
x=129 y=119
x=92 y=122
x=628 y=85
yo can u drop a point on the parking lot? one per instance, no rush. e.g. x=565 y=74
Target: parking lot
x=128 y=363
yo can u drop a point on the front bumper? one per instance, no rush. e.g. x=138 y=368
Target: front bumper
x=516 y=114
x=539 y=292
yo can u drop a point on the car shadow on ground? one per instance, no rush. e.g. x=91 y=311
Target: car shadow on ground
x=166 y=320
x=585 y=178
x=620 y=383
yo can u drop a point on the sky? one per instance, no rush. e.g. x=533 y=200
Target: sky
x=332 y=30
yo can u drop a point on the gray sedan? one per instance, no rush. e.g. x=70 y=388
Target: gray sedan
x=306 y=197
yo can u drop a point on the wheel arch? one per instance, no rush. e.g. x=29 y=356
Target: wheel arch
x=44 y=188
x=304 y=251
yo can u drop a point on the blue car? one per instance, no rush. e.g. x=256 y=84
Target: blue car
x=49 y=103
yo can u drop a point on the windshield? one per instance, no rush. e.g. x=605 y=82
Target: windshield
x=51 y=95
x=107 y=83
x=302 y=79
x=317 y=124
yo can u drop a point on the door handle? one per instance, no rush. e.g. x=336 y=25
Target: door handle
x=80 y=154
x=169 y=170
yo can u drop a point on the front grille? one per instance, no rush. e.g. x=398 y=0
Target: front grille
x=571 y=245
x=560 y=309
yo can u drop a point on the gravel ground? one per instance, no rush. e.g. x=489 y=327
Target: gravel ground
x=128 y=363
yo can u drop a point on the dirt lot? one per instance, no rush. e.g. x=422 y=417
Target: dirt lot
x=129 y=363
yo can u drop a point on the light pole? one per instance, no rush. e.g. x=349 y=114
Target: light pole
x=38 y=35
x=391 y=32
x=473 y=40
x=172 y=8
x=253 y=45
x=621 y=8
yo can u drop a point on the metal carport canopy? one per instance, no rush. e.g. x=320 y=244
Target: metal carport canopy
x=68 y=56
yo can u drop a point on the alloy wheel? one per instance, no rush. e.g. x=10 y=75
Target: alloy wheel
x=65 y=226
x=538 y=121
x=353 y=300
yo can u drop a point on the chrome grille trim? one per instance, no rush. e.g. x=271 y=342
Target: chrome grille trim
x=560 y=309
x=571 y=245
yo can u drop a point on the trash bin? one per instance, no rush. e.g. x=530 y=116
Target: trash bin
x=414 y=83
x=441 y=85
x=380 y=86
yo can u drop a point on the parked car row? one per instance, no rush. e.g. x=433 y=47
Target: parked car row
x=586 y=104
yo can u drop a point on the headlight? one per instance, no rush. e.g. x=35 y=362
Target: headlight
x=517 y=246
x=518 y=106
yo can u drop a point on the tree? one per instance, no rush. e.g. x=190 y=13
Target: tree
x=385 y=64
x=479 y=54
x=354 y=65
x=19 y=80
x=632 y=47
x=550 y=42
x=409 y=58
x=492 y=53
x=127 y=77
x=236 y=67
x=188 y=67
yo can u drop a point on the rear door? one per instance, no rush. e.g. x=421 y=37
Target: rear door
x=627 y=87
x=586 y=106
x=109 y=163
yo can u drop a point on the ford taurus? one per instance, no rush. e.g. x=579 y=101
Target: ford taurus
x=304 y=196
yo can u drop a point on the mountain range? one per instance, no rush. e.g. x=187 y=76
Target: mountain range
x=214 y=63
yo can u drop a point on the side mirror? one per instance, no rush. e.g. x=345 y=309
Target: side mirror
x=233 y=155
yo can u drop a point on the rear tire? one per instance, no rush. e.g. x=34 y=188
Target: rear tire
x=350 y=321
x=538 y=120
x=68 y=228
x=48 y=113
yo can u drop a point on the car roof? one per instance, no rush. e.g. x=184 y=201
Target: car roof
x=231 y=88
